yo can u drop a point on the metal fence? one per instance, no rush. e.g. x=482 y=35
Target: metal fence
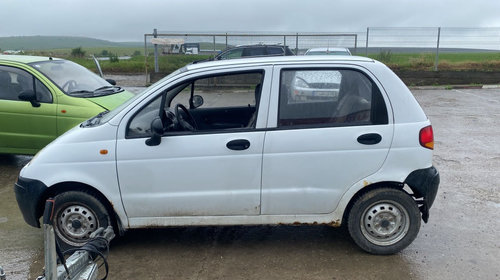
x=374 y=40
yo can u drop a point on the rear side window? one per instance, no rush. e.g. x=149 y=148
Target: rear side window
x=333 y=97
x=254 y=51
x=275 y=50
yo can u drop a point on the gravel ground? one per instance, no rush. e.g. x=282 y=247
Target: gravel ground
x=459 y=242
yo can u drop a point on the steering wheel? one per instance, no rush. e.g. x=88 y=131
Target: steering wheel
x=189 y=123
x=71 y=84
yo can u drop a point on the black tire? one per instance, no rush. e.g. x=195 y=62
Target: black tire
x=384 y=221
x=76 y=215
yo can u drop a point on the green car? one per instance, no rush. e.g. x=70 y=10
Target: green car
x=42 y=97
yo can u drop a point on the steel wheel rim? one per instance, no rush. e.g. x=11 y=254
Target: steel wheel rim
x=75 y=223
x=385 y=223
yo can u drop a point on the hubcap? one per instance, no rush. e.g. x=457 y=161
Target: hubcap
x=385 y=223
x=76 y=223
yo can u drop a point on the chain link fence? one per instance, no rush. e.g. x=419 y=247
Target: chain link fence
x=372 y=42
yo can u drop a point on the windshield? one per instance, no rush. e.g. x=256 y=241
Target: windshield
x=75 y=80
x=108 y=115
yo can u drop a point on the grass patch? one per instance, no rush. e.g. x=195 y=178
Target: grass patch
x=485 y=61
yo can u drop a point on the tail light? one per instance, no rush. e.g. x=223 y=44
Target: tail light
x=426 y=137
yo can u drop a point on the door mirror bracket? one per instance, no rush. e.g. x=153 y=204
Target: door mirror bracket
x=29 y=95
x=157 y=132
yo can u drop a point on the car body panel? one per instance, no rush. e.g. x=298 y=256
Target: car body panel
x=306 y=175
x=27 y=129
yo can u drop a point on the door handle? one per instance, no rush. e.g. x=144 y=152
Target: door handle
x=238 y=145
x=370 y=139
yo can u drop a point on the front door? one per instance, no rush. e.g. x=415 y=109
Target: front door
x=25 y=127
x=211 y=168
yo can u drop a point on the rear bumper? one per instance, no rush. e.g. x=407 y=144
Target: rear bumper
x=29 y=193
x=424 y=184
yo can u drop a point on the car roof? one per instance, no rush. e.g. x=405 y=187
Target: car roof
x=25 y=58
x=327 y=49
x=278 y=60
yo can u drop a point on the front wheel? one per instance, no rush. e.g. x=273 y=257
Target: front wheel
x=384 y=221
x=76 y=215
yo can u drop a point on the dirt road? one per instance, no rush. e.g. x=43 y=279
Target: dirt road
x=461 y=240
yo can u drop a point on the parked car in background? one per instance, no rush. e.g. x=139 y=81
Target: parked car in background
x=42 y=97
x=328 y=51
x=225 y=143
x=254 y=51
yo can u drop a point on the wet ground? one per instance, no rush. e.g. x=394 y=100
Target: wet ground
x=459 y=242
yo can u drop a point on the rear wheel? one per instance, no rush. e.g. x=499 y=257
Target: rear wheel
x=76 y=216
x=384 y=221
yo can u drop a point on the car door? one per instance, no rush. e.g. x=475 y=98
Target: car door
x=332 y=129
x=26 y=126
x=211 y=171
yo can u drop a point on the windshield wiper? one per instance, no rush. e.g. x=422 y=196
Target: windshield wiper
x=80 y=92
x=107 y=89
x=114 y=88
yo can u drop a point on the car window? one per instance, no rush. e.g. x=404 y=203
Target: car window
x=275 y=50
x=254 y=51
x=329 y=97
x=230 y=101
x=230 y=54
x=13 y=81
x=42 y=92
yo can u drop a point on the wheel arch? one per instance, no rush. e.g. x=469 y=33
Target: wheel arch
x=368 y=188
x=62 y=187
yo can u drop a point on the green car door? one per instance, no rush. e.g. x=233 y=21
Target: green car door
x=25 y=127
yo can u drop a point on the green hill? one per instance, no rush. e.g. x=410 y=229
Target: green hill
x=58 y=42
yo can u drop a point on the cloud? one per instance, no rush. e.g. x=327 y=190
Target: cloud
x=129 y=20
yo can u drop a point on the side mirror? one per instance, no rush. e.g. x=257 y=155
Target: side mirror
x=196 y=101
x=29 y=95
x=111 y=81
x=157 y=131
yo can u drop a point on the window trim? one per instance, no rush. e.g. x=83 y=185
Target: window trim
x=190 y=80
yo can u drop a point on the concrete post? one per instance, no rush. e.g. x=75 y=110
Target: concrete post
x=367 y=36
x=157 y=68
x=437 y=50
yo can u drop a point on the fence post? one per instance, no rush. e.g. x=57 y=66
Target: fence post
x=297 y=44
x=146 y=57
x=356 y=44
x=437 y=50
x=367 y=34
x=157 y=68
x=284 y=40
x=214 y=47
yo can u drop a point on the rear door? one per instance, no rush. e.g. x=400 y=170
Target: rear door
x=332 y=129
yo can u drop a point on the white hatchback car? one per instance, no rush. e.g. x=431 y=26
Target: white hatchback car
x=226 y=143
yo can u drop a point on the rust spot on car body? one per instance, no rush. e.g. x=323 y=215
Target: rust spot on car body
x=332 y=223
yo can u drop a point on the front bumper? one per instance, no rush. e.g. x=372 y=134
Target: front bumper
x=424 y=184
x=29 y=194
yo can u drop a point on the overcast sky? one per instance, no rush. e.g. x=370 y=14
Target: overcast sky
x=127 y=20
